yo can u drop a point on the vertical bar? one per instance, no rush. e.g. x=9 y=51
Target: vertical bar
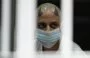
x=66 y=6
x=0 y=22
x=25 y=28
x=5 y=28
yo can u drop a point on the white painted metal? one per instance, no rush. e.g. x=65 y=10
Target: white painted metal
x=66 y=27
x=25 y=28
x=5 y=28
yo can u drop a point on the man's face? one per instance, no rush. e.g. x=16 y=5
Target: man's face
x=48 y=21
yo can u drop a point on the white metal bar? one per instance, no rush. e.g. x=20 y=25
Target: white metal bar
x=25 y=28
x=5 y=28
x=66 y=26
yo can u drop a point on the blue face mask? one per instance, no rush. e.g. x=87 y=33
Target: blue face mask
x=48 y=39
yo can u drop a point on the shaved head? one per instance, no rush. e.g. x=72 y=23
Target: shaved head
x=48 y=9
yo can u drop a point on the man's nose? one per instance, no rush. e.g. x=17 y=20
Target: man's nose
x=48 y=28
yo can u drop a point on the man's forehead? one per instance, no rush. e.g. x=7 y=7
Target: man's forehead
x=48 y=16
x=47 y=19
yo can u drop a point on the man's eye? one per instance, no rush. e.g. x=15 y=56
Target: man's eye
x=41 y=25
x=54 y=25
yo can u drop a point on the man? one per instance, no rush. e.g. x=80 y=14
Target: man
x=48 y=29
x=48 y=22
x=48 y=32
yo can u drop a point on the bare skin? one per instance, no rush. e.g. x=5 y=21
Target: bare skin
x=49 y=21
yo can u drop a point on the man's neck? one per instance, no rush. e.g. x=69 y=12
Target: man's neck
x=54 y=48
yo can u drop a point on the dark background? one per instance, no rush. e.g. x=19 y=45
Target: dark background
x=56 y=2
x=82 y=23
